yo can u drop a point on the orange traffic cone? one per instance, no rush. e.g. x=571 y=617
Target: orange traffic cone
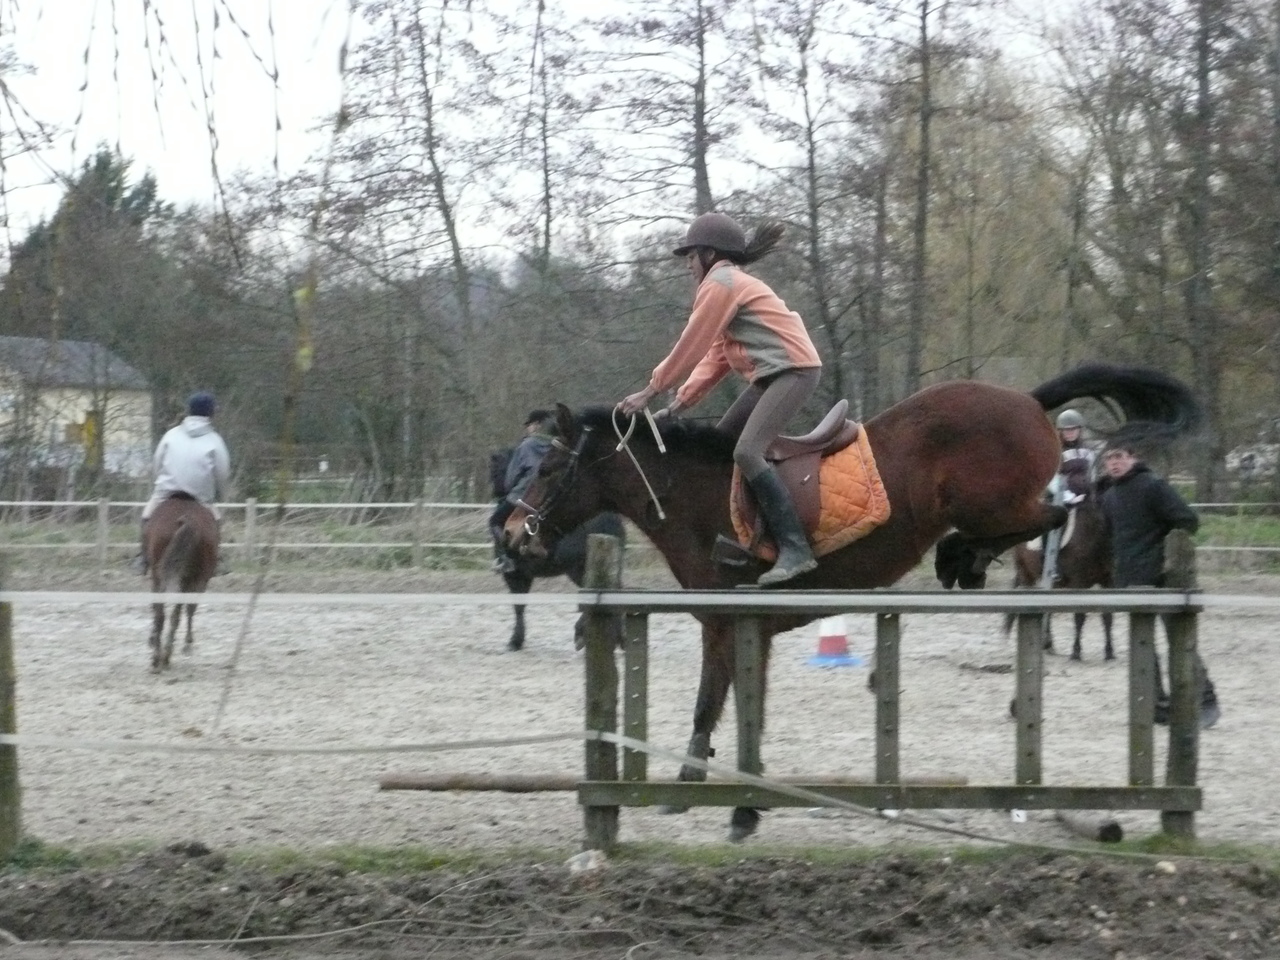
x=833 y=645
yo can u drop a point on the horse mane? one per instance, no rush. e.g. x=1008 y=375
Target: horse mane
x=702 y=441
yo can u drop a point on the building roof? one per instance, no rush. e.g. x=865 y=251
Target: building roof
x=68 y=363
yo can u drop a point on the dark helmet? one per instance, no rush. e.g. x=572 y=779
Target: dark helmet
x=714 y=230
x=537 y=416
x=201 y=404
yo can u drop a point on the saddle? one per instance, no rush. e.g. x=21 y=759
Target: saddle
x=831 y=475
x=797 y=460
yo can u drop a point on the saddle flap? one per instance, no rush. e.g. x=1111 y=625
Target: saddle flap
x=834 y=433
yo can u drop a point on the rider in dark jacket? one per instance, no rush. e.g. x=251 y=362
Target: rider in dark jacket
x=1142 y=509
x=520 y=470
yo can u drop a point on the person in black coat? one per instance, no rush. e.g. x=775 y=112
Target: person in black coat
x=1141 y=510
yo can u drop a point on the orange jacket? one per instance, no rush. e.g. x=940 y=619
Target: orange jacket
x=737 y=323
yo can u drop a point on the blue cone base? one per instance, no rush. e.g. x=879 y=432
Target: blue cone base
x=838 y=660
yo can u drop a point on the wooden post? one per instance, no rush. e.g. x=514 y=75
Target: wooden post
x=10 y=791
x=419 y=517
x=104 y=529
x=250 y=529
x=1142 y=698
x=1185 y=683
x=1028 y=703
x=604 y=572
x=748 y=691
x=888 y=638
x=635 y=695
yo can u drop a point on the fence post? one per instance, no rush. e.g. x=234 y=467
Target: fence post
x=1142 y=696
x=104 y=529
x=419 y=516
x=250 y=528
x=10 y=791
x=635 y=694
x=1028 y=687
x=604 y=572
x=1185 y=683
x=888 y=638
x=748 y=690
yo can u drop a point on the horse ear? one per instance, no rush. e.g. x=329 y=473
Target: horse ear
x=564 y=422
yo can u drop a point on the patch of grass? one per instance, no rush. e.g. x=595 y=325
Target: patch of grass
x=391 y=861
x=32 y=853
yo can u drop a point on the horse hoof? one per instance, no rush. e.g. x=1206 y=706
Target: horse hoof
x=666 y=810
x=514 y=644
x=1075 y=655
x=743 y=823
x=1110 y=656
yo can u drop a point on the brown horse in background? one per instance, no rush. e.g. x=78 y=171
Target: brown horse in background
x=962 y=456
x=181 y=543
x=1084 y=561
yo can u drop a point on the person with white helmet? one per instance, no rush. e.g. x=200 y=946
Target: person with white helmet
x=1078 y=466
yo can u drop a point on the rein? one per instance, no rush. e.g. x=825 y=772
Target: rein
x=623 y=445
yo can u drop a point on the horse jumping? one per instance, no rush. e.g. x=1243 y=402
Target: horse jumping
x=1084 y=561
x=181 y=543
x=962 y=456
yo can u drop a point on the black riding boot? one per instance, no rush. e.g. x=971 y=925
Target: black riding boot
x=795 y=556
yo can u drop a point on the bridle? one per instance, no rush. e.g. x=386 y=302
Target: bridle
x=537 y=516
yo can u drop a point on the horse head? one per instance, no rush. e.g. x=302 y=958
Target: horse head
x=563 y=494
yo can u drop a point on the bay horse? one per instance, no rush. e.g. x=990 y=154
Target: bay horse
x=962 y=456
x=568 y=558
x=1084 y=561
x=181 y=544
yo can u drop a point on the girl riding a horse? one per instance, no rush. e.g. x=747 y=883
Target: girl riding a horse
x=739 y=323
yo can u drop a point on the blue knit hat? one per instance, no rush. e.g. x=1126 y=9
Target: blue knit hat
x=201 y=404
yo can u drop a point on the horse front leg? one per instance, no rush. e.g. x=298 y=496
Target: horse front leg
x=1110 y=652
x=157 y=628
x=713 y=690
x=518 y=584
x=1076 y=652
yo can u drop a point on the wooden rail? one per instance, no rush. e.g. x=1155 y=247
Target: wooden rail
x=604 y=791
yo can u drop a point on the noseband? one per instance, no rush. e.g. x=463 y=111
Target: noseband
x=537 y=516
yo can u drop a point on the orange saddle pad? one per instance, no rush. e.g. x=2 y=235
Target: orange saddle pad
x=852 y=496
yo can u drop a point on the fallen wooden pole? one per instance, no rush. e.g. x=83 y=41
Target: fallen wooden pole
x=1105 y=830
x=567 y=782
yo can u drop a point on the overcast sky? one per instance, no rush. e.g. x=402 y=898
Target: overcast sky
x=119 y=106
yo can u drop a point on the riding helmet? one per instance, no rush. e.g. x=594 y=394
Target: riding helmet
x=714 y=230
x=1070 y=418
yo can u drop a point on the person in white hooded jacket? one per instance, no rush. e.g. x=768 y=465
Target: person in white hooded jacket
x=191 y=458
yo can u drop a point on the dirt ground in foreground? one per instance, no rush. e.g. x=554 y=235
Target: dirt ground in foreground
x=757 y=909
x=372 y=675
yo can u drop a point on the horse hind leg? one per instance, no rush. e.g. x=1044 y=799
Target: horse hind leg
x=1076 y=652
x=175 y=618
x=1109 y=650
x=157 y=630
x=190 y=640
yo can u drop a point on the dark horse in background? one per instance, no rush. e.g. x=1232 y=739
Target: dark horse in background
x=1084 y=561
x=568 y=558
x=181 y=544
x=966 y=457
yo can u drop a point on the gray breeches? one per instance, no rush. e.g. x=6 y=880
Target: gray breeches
x=761 y=413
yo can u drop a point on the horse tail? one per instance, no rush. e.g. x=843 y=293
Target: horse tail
x=179 y=555
x=1150 y=404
